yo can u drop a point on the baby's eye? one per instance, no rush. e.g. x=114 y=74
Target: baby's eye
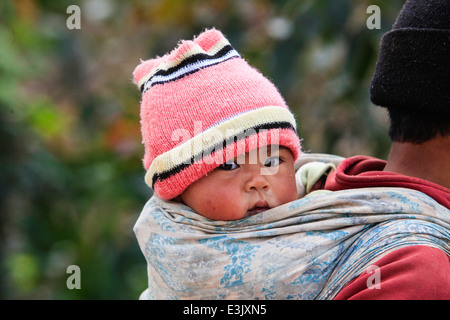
x=231 y=165
x=272 y=162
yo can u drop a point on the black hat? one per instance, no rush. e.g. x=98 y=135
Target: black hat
x=413 y=68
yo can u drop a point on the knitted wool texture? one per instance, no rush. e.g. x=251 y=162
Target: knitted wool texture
x=202 y=105
x=413 y=68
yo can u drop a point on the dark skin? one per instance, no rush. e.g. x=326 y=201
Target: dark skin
x=429 y=160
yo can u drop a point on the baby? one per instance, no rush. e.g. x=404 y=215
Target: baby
x=220 y=145
x=218 y=135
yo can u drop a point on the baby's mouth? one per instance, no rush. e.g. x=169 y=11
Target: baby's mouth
x=259 y=207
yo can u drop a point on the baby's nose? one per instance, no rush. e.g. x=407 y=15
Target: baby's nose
x=256 y=182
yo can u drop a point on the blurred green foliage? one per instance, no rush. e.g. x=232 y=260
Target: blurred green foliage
x=71 y=179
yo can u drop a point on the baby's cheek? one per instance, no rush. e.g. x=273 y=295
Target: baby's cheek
x=211 y=205
x=228 y=206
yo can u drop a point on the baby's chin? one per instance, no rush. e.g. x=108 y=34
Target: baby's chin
x=255 y=211
x=248 y=213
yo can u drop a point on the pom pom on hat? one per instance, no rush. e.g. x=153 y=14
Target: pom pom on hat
x=202 y=105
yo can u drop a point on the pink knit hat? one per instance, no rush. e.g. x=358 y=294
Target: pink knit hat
x=202 y=105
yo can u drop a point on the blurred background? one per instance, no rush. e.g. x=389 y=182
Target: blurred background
x=71 y=176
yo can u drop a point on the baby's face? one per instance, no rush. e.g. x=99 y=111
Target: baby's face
x=244 y=187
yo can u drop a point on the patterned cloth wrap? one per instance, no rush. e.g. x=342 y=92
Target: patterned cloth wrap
x=306 y=249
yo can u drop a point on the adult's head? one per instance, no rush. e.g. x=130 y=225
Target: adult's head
x=412 y=76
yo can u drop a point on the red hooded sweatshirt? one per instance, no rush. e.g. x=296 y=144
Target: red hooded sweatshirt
x=415 y=272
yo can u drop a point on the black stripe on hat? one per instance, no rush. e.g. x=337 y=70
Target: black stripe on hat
x=192 y=64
